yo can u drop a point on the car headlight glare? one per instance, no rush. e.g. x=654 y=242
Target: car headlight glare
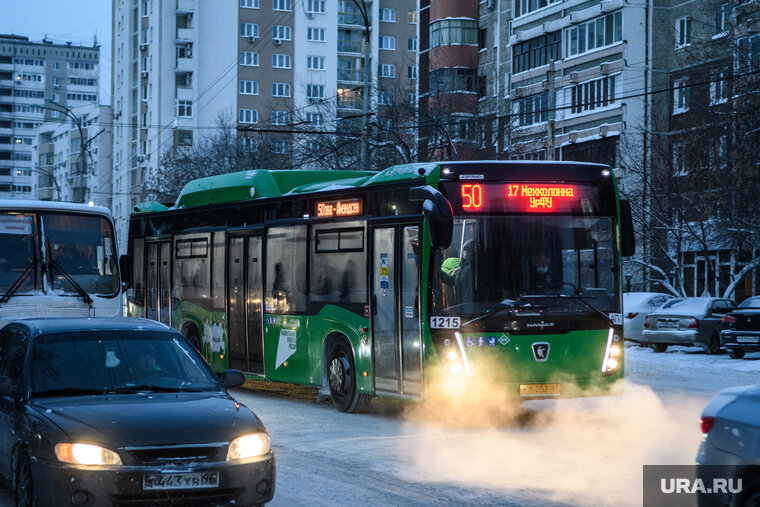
x=86 y=454
x=249 y=446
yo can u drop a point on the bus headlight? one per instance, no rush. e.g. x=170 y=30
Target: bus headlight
x=249 y=446
x=86 y=454
x=612 y=353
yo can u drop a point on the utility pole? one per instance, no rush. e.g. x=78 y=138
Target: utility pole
x=364 y=162
x=551 y=106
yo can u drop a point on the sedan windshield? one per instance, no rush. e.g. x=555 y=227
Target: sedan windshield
x=750 y=303
x=495 y=261
x=117 y=361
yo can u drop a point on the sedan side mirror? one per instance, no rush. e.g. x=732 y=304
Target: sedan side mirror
x=6 y=386
x=232 y=378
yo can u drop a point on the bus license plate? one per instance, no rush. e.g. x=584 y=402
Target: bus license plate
x=747 y=339
x=197 y=480
x=540 y=389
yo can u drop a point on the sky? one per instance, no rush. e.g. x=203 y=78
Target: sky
x=75 y=21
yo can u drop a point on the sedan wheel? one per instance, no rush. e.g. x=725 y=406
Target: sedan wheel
x=659 y=347
x=736 y=353
x=713 y=345
x=24 y=489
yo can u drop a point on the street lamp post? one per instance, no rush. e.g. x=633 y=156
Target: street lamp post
x=84 y=144
x=362 y=6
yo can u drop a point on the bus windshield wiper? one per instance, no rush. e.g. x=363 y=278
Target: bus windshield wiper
x=18 y=283
x=83 y=293
x=578 y=298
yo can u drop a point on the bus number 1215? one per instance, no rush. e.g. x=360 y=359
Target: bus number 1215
x=444 y=322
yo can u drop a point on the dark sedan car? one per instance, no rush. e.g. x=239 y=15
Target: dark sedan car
x=123 y=412
x=741 y=328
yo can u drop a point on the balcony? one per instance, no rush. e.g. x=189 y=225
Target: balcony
x=185 y=6
x=185 y=34
x=184 y=65
x=350 y=47
x=45 y=193
x=352 y=76
x=184 y=93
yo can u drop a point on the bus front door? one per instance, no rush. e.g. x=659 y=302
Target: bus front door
x=158 y=279
x=244 y=325
x=395 y=303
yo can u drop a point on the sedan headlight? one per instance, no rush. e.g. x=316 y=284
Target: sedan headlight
x=86 y=454
x=249 y=446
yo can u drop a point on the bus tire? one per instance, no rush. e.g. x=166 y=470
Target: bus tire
x=341 y=378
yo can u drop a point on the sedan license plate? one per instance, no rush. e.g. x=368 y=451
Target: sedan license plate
x=540 y=389
x=667 y=324
x=747 y=339
x=195 y=480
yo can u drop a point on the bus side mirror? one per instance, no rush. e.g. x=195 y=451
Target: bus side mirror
x=437 y=210
x=628 y=239
x=125 y=266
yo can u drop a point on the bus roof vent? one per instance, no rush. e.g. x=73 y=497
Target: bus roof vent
x=403 y=172
x=240 y=186
x=149 y=207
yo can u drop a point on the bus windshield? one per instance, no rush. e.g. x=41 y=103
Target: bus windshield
x=495 y=261
x=75 y=248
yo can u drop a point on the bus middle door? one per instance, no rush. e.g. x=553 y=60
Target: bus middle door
x=396 y=350
x=158 y=283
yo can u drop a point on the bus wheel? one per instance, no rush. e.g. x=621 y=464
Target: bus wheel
x=713 y=345
x=342 y=379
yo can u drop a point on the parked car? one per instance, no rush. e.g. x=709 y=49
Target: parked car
x=731 y=428
x=636 y=306
x=687 y=321
x=741 y=328
x=123 y=412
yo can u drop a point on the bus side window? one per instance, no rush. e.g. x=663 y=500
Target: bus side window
x=138 y=295
x=286 y=270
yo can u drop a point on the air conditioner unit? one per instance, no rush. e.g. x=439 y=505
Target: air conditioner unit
x=144 y=73
x=310 y=15
x=276 y=42
x=252 y=38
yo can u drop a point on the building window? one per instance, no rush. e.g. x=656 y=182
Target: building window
x=412 y=17
x=249 y=144
x=280 y=61
x=185 y=51
x=249 y=30
x=281 y=5
x=537 y=52
x=453 y=31
x=452 y=80
x=683 y=32
x=721 y=19
x=532 y=110
x=411 y=72
x=387 y=42
x=280 y=117
x=680 y=95
x=316 y=6
x=594 y=34
x=315 y=63
x=719 y=87
x=248 y=116
x=523 y=7
x=280 y=147
x=280 y=89
x=679 y=160
x=385 y=98
x=249 y=4
x=411 y=44
x=315 y=119
x=315 y=91
x=281 y=32
x=748 y=55
x=249 y=87
x=185 y=108
x=593 y=94
x=249 y=59
x=482 y=38
x=183 y=137
x=388 y=15
x=314 y=34
x=387 y=70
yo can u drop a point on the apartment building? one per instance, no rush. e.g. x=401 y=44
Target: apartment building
x=261 y=64
x=72 y=163
x=38 y=82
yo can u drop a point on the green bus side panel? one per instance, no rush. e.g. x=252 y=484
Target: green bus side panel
x=212 y=327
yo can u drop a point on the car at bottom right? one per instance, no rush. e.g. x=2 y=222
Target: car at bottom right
x=741 y=328
x=730 y=448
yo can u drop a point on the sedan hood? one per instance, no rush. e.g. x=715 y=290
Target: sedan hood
x=149 y=419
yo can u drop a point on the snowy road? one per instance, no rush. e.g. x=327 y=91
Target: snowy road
x=569 y=452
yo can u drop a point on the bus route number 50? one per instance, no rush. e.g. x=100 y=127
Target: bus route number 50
x=444 y=322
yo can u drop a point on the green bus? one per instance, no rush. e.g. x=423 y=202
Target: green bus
x=394 y=283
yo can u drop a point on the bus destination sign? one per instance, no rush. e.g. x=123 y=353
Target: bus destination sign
x=343 y=208
x=526 y=198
